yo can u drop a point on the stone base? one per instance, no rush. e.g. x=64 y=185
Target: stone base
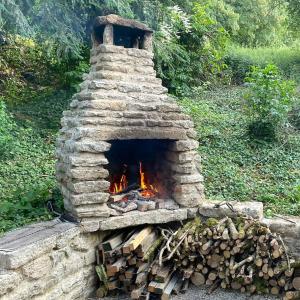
x=54 y=260
x=159 y=216
x=149 y=217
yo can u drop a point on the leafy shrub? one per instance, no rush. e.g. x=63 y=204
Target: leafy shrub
x=189 y=48
x=240 y=59
x=27 y=205
x=234 y=166
x=268 y=101
x=294 y=116
x=6 y=127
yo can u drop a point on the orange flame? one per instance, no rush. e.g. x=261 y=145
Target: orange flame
x=142 y=178
x=118 y=184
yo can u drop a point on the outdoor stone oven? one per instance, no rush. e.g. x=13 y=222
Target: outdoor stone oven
x=123 y=132
x=121 y=123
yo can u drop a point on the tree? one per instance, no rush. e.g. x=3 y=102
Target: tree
x=261 y=22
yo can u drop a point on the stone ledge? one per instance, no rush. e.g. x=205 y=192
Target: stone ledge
x=251 y=208
x=20 y=246
x=150 y=217
x=289 y=231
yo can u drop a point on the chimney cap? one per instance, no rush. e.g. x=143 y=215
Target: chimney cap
x=117 y=20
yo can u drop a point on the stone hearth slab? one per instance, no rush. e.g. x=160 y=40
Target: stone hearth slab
x=149 y=217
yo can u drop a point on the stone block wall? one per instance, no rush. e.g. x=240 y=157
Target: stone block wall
x=50 y=260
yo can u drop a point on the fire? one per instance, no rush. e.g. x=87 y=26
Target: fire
x=148 y=190
x=120 y=183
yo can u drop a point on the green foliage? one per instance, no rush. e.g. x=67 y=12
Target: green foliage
x=6 y=129
x=26 y=205
x=269 y=99
x=235 y=167
x=27 y=71
x=294 y=20
x=240 y=59
x=261 y=22
x=27 y=174
x=189 y=48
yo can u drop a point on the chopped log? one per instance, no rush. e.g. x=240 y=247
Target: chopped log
x=116 y=198
x=212 y=276
x=136 y=239
x=225 y=234
x=157 y=287
x=207 y=245
x=296 y=280
x=233 y=231
x=198 y=279
x=150 y=253
x=291 y=295
x=113 y=242
x=136 y=293
x=146 y=244
x=130 y=272
x=169 y=288
x=214 y=261
x=101 y=292
x=235 y=285
x=141 y=277
x=113 y=284
x=162 y=274
x=111 y=270
x=274 y=290
x=132 y=261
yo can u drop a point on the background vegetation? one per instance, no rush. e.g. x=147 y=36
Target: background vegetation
x=204 y=51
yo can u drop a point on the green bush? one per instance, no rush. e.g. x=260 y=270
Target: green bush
x=27 y=205
x=189 y=48
x=234 y=166
x=240 y=59
x=269 y=99
x=27 y=173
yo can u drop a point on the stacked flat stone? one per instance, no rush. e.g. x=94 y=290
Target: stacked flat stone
x=48 y=261
x=121 y=99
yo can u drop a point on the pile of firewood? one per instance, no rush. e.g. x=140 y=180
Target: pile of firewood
x=240 y=254
x=124 y=262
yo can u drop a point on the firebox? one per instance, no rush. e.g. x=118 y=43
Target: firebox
x=140 y=166
x=126 y=153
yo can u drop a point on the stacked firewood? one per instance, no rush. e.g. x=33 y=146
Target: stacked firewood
x=125 y=260
x=240 y=254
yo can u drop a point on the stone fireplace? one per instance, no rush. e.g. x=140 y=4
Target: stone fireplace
x=124 y=140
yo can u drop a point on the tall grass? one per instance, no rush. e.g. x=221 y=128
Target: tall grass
x=240 y=60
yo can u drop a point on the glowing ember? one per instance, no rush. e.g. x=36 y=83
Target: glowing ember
x=119 y=183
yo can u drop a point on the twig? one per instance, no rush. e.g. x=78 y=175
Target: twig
x=177 y=246
x=285 y=252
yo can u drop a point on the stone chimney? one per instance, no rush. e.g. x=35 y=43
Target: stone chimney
x=122 y=101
